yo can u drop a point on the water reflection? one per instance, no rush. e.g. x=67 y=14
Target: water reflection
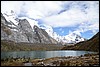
x=42 y=54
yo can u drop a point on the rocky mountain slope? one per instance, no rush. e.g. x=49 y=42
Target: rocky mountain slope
x=91 y=44
x=19 y=30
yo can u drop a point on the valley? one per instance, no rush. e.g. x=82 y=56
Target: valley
x=50 y=33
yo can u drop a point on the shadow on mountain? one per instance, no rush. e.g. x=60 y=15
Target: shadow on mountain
x=89 y=45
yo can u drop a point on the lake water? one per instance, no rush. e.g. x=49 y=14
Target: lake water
x=42 y=54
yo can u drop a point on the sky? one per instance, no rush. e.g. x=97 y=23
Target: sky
x=65 y=17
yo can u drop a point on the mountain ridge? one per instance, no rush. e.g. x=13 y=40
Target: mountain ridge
x=22 y=31
x=89 y=45
x=15 y=23
x=70 y=38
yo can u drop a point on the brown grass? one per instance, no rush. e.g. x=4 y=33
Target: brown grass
x=12 y=46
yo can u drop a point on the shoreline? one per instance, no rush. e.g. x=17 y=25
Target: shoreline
x=83 y=60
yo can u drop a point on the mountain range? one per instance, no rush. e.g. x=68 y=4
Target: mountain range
x=20 y=30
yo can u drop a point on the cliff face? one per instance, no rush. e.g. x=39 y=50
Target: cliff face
x=21 y=31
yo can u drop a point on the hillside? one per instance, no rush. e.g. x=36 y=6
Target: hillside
x=89 y=45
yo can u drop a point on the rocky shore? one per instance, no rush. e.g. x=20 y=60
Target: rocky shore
x=83 y=60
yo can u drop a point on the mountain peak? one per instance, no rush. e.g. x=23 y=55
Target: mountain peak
x=70 y=38
x=23 y=32
x=10 y=13
x=74 y=38
x=35 y=26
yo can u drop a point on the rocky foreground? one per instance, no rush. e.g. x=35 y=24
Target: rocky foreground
x=83 y=60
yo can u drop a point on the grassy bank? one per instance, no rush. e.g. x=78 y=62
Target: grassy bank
x=12 y=46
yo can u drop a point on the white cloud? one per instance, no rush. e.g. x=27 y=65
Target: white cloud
x=87 y=26
x=82 y=13
x=69 y=18
x=87 y=19
x=7 y=6
x=32 y=9
x=47 y=11
x=73 y=16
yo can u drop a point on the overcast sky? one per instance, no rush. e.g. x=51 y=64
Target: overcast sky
x=81 y=17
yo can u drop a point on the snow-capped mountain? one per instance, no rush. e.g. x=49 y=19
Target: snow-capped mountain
x=11 y=19
x=20 y=30
x=14 y=21
x=70 y=38
x=73 y=38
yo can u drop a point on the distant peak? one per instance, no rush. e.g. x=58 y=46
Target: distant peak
x=9 y=13
x=35 y=26
x=12 y=11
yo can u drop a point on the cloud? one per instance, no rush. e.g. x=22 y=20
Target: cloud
x=66 y=19
x=87 y=26
x=72 y=13
x=73 y=16
x=83 y=14
x=7 y=6
x=32 y=9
